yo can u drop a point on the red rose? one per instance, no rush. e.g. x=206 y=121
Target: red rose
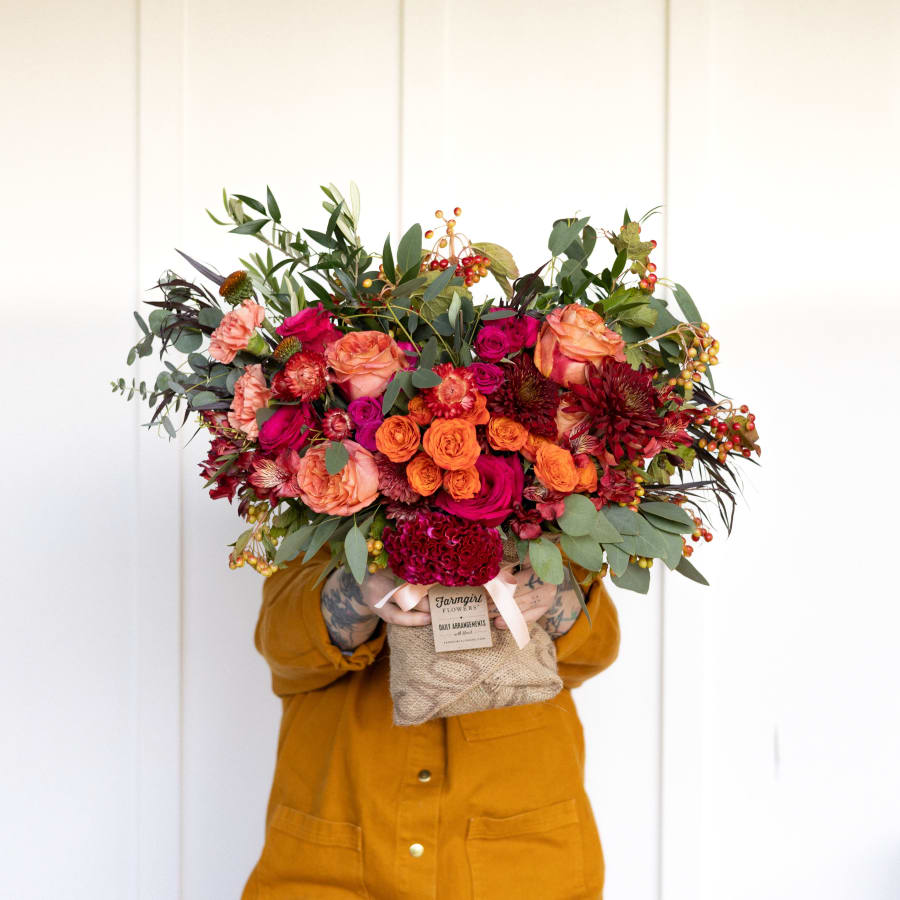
x=312 y=327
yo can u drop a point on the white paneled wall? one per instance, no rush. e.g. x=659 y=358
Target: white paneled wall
x=745 y=743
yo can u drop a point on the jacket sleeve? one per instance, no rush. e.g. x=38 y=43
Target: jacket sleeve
x=292 y=636
x=588 y=647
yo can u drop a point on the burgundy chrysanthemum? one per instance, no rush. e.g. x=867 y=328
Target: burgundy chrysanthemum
x=526 y=396
x=622 y=405
x=436 y=547
x=392 y=480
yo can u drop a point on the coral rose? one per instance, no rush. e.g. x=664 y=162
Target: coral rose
x=363 y=362
x=235 y=330
x=347 y=492
x=556 y=468
x=423 y=474
x=462 y=484
x=397 y=438
x=452 y=443
x=572 y=337
x=506 y=434
x=478 y=415
x=250 y=394
x=418 y=410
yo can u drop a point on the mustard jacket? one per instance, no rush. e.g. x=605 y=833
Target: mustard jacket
x=485 y=806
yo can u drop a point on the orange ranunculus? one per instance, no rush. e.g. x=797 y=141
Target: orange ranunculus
x=478 y=415
x=532 y=442
x=347 y=492
x=452 y=443
x=556 y=468
x=423 y=474
x=418 y=410
x=572 y=337
x=506 y=434
x=235 y=330
x=397 y=438
x=587 y=473
x=462 y=484
x=566 y=421
x=363 y=362
x=250 y=394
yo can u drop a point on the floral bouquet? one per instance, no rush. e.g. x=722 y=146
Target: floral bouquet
x=374 y=403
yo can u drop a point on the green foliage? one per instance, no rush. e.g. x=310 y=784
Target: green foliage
x=546 y=560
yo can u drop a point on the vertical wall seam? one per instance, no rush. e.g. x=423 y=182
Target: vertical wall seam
x=401 y=100
x=666 y=162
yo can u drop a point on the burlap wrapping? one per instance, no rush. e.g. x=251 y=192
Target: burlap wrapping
x=429 y=685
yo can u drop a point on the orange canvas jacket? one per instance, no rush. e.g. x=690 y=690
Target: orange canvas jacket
x=485 y=806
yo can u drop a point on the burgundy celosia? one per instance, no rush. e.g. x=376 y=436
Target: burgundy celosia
x=437 y=548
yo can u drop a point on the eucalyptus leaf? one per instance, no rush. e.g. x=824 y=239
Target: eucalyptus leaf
x=390 y=395
x=579 y=516
x=546 y=561
x=425 y=378
x=293 y=543
x=687 y=305
x=564 y=232
x=616 y=557
x=668 y=511
x=209 y=316
x=356 y=552
x=428 y=356
x=625 y=521
x=634 y=578
x=583 y=550
x=438 y=285
x=687 y=568
x=336 y=457
x=188 y=341
x=323 y=531
x=203 y=399
x=409 y=250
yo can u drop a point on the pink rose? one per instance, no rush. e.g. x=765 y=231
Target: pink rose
x=572 y=337
x=235 y=330
x=347 y=492
x=501 y=488
x=520 y=331
x=288 y=427
x=492 y=343
x=312 y=327
x=363 y=362
x=250 y=394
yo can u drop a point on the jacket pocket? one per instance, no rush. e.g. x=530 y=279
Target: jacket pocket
x=534 y=854
x=308 y=857
x=494 y=723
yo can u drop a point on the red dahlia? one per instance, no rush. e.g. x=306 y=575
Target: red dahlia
x=622 y=407
x=526 y=396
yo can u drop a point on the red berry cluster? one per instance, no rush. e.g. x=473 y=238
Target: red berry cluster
x=728 y=431
x=450 y=250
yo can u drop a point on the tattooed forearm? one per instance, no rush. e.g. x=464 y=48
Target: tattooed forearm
x=564 y=610
x=348 y=619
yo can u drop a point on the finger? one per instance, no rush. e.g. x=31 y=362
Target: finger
x=411 y=618
x=529 y=615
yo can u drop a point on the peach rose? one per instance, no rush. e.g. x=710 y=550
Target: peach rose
x=235 y=330
x=506 y=434
x=423 y=475
x=556 y=468
x=566 y=421
x=397 y=438
x=363 y=362
x=587 y=473
x=478 y=415
x=571 y=337
x=532 y=443
x=452 y=443
x=349 y=491
x=462 y=484
x=250 y=394
x=418 y=410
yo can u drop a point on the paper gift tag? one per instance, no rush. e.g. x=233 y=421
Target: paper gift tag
x=459 y=618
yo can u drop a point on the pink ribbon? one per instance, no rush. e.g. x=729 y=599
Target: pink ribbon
x=501 y=589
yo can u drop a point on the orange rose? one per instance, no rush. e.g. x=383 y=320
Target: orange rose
x=462 y=484
x=347 y=492
x=587 y=473
x=566 y=421
x=556 y=468
x=532 y=443
x=363 y=362
x=506 y=434
x=250 y=394
x=423 y=475
x=478 y=415
x=418 y=410
x=452 y=443
x=397 y=438
x=571 y=337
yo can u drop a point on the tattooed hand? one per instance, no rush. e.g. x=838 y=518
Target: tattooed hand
x=349 y=608
x=556 y=607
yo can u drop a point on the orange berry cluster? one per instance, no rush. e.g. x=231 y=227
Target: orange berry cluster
x=379 y=557
x=254 y=554
x=734 y=432
x=451 y=249
x=702 y=352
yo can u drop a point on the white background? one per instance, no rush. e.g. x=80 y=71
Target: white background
x=746 y=743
